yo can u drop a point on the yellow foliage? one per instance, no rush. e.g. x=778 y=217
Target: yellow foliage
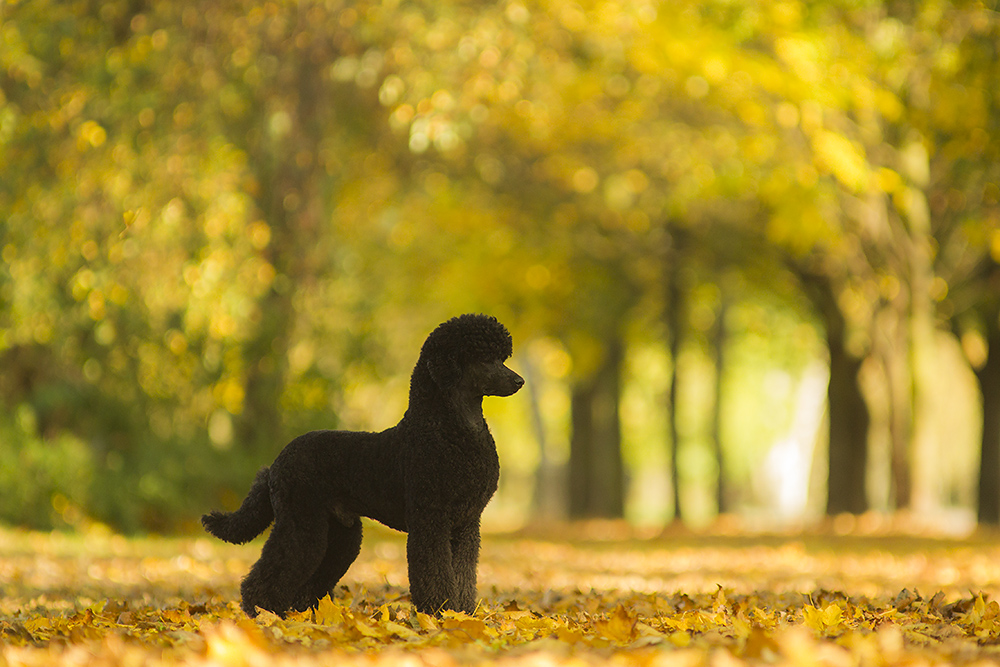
x=843 y=158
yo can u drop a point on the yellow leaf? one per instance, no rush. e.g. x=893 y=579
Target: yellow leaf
x=832 y=615
x=812 y=617
x=327 y=612
x=619 y=627
x=975 y=615
x=680 y=638
x=399 y=630
x=365 y=629
x=267 y=618
x=645 y=630
x=427 y=622
x=719 y=603
x=823 y=620
x=464 y=625
x=517 y=615
x=741 y=627
x=174 y=616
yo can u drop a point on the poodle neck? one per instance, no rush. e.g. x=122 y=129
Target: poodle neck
x=456 y=407
x=469 y=411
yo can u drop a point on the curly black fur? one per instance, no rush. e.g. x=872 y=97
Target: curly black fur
x=431 y=475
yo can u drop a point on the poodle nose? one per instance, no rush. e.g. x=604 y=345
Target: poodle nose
x=516 y=382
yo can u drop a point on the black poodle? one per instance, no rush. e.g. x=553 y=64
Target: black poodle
x=430 y=475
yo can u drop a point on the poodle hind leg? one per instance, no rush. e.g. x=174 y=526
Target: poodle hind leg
x=292 y=553
x=343 y=544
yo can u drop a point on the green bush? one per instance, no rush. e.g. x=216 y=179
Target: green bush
x=44 y=482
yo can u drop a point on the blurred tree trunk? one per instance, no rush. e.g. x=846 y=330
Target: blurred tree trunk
x=848 y=412
x=923 y=486
x=596 y=473
x=284 y=189
x=549 y=484
x=284 y=146
x=989 y=465
x=849 y=420
x=674 y=315
x=892 y=345
x=719 y=361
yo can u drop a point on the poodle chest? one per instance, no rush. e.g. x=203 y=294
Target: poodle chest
x=466 y=479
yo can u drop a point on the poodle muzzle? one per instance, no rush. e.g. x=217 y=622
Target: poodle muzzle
x=503 y=382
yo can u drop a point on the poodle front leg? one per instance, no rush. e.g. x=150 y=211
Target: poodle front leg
x=464 y=559
x=429 y=563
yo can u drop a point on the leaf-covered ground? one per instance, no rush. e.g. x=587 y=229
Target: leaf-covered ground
x=567 y=596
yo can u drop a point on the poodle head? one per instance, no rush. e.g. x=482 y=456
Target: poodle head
x=468 y=352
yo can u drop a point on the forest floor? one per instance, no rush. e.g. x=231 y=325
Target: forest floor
x=563 y=595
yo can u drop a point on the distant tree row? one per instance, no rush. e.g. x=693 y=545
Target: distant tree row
x=221 y=223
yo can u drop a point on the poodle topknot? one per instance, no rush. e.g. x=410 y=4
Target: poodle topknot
x=430 y=476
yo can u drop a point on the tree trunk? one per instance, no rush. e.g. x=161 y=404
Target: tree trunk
x=674 y=315
x=596 y=473
x=719 y=359
x=989 y=464
x=287 y=170
x=894 y=343
x=849 y=419
x=547 y=501
x=848 y=412
x=260 y=428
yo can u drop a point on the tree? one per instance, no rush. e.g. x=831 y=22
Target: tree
x=179 y=171
x=964 y=203
x=596 y=474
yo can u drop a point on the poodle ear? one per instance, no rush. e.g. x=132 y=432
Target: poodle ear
x=444 y=371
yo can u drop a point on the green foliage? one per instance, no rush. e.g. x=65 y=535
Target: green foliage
x=44 y=482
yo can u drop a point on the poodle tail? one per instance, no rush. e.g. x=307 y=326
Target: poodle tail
x=250 y=520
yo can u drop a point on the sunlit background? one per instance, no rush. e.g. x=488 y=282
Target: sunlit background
x=749 y=252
